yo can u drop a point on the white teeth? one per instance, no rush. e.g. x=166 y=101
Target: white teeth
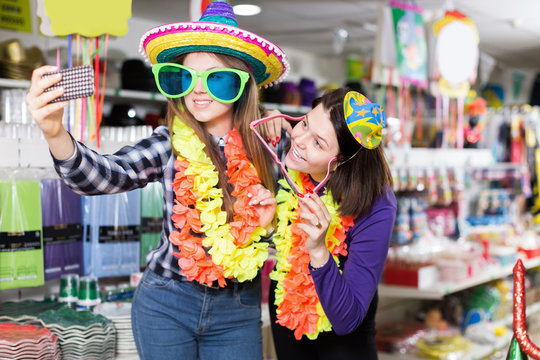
x=296 y=154
x=202 y=102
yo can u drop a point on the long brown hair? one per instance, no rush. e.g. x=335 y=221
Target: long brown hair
x=363 y=174
x=245 y=110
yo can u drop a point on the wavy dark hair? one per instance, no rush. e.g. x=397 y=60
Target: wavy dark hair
x=363 y=174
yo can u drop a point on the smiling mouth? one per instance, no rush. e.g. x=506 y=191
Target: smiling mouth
x=202 y=102
x=295 y=155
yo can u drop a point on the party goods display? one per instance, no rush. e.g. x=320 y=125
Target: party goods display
x=77 y=82
x=216 y=31
x=233 y=249
x=111 y=234
x=21 y=240
x=62 y=229
x=120 y=314
x=28 y=342
x=81 y=334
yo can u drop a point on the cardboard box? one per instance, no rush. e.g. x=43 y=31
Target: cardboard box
x=421 y=278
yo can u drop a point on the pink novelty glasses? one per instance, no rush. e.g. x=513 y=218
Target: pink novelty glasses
x=277 y=160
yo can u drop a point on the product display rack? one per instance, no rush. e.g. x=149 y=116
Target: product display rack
x=439 y=290
x=477 y=351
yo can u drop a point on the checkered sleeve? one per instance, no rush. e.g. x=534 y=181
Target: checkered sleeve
x=90 y=173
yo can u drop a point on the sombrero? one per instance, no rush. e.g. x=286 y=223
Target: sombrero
x=364 y=119
x=217 y=31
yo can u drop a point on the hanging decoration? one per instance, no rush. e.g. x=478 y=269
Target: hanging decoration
x=455 y=69
x=87 y=25
x=411 y=61
x=401 y=61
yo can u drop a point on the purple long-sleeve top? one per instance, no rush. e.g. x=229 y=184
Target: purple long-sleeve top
x=346 y=296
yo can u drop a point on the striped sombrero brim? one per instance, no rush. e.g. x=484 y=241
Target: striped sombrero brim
x=268 y=62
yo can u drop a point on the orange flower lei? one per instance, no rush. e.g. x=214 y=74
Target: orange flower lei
x=233 y=249
x=298 y=306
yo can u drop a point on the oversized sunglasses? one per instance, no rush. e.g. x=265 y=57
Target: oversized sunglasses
x=254 y=124
x=224 y=85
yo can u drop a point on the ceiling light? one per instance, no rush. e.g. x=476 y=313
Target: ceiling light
x=246 y=9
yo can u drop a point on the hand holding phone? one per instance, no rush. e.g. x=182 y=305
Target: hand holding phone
x=77 y=82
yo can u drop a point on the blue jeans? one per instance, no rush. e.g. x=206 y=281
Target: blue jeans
x=175 y=319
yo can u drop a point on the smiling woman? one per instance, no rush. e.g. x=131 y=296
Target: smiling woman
x=332 y=243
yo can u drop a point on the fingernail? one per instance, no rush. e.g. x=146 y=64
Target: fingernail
x=273 y=143
x=310 y=191
x=300 y=195
x=277 y=139
x=268 y=138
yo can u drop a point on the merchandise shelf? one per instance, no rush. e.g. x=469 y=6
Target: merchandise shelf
x=441 y=289
x=152 y=96
x=477 y=351
x=9 y=83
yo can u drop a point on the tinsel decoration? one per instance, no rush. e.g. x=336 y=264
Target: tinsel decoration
x=520 y=327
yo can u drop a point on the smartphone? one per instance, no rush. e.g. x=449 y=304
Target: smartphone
x=77 y=82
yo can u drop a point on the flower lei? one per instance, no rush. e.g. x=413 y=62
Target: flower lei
x=228 y=250
x=298 y=306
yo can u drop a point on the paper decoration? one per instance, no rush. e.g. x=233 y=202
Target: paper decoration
x=21 y=243
x=410 y=42
x=15 y=15
x=89 y=18
x=456 y=54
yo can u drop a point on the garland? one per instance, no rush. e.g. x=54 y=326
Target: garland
x=228 y=250
x=298 y=306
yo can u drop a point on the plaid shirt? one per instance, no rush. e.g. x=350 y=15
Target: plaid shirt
x=132 y=167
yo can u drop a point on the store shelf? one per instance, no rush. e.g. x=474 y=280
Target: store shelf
x=439 y=290
x=9 y=83
x=428 y=157
x=153 y=96
x=477 y=351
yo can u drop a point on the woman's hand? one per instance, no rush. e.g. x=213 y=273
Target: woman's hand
x=48 y=116
x=271 y=130
x=316 y=222
x=265 y=204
